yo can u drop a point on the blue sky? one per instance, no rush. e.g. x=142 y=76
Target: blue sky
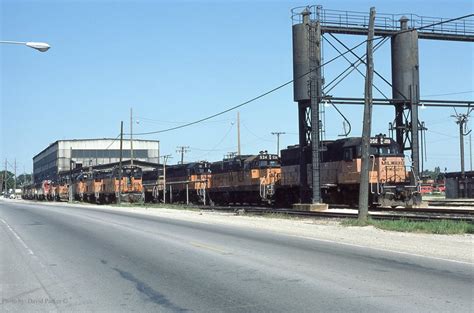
x=178 y=61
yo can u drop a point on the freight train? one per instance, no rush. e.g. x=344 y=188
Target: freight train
x=263 y=178
x=104 y=186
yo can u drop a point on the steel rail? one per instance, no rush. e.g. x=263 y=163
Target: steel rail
x=412 y=216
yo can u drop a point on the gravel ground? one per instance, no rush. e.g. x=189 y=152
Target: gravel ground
x=458 y=248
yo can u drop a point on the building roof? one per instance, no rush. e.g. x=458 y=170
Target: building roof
x=107 y=166
x=88 y=139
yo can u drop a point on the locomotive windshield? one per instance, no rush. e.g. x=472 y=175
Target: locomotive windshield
x=128 y=172
x=381 y=150
x=385 y=150
x=134 y=172
x=267 y=160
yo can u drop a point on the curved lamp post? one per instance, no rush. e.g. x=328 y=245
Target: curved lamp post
x=40 y=46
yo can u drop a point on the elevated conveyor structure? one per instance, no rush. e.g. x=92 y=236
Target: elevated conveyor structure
x=404 y=31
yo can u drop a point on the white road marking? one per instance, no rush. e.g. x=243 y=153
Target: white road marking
x=18 y=237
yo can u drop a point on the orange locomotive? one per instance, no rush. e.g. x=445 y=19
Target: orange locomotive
x=129 y=187
x=245 y=179
x=92 y=186
x=104 y=186
x=62 y=191
x=390 y=182
x=188 y=182
x=80 y=184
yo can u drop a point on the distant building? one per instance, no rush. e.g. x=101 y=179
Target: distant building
x=59 y=155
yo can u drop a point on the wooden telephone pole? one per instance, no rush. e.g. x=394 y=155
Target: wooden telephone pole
x=364 y=173
x=182 y=150
x=119 y=198
x=278 y=141
x=165 y=160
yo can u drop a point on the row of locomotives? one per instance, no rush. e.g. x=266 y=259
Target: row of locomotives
x=107 y=185
x=43 y=190
x=245 y=179
x=391 y=182
x=188 y=183
x=46 y=190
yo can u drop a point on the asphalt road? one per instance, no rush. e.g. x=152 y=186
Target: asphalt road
x=70 y=259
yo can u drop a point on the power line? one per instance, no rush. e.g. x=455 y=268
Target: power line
x=442 y=22
x=112 y=142
x=213 y=149
x=153 y=121
x=449 y=94
x=353 y=64
x=252 y=99
x=255 y=135
x=441 y=134
x=291 y=81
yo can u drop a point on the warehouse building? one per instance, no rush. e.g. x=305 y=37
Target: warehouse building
x=64 y=154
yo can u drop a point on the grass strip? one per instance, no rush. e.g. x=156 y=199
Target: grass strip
x=157 y=206
x=444 y=227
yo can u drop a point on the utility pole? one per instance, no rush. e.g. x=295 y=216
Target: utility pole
x=1 y=182
x=119 y=198
x=182 y=150
x=367 y=121
x=14 y=180
x=278 y=141
x=5 y=177
x=461 y=120
x=70 y=175
x=131 y=137
x=238 y=133
x=470 y=152
x=165 y=160
x=424 y=158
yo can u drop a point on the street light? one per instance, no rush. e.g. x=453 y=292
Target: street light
x=40 y=46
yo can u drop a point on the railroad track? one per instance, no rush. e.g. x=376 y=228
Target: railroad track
x=442 y=203
x=459 y=215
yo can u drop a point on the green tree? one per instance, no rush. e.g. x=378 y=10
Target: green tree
x=23 y=179
x=433 y=174
x=7 y=181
